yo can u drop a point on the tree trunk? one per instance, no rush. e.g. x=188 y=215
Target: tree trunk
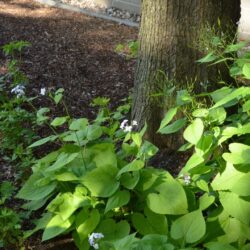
x=167 y=34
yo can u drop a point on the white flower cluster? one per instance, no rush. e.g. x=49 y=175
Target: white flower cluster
x=92 y=239
x=128 y=128
x=18 y=90
x=186 y=178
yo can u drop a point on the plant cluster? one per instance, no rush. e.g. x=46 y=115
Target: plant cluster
x=11 y=235
x=16 y=121
x=98 y=184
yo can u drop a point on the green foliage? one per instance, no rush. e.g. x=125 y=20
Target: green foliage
x=16 y=120
x=130 y=50
x=11 y=235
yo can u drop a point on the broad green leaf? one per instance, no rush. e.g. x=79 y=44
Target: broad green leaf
x=119 y=199
x=62 y=160
x=190 y=227
x=168 y=117
x=66 y=176
x=94 y=132
x=58 y=121
x=199 y=113
x=102 y=154
x=154 y=242
x=79 y=124
x=235 y=94
x=234 y=230
x=193 y=161
x=86 y=222
x=206 y=201
x=137 y=139
x=126 y=243
x=210 y=57
x=204 y=144
x=246 y=70
x=194 y=131
x=219 y=246
x=147 y=150
x=174 y=127
x=246 y=106
x=65 y=204
x=130 y=180
x=102 y=181
x=240 y=154
x=135 y=165
x=43 y=141
x=236 y=206
x=219 y=94
x=234 y=180
x=113 y=230
x=168 y=198
x=31 y=191
x=56 y=226
x=150 y=223
x=235 y=47
x=58 y=95
x=217 y=115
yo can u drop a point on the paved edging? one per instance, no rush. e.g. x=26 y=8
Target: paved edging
x=87 y=12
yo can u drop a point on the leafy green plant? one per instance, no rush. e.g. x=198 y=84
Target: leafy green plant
x=16 y=120
x=130 y=50
x=11 y=235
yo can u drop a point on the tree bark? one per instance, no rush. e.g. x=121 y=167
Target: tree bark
x=168 y=30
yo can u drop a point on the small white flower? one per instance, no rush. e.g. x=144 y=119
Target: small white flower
x=123 y=124
x=134 y=123
x=187 y=179
x=128 y=129
x=18 y=90
x=93 y=237
x=43 y=91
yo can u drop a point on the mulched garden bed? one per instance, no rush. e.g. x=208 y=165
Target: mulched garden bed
x=75 y=52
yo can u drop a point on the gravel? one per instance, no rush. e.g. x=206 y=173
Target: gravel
x=92 y=5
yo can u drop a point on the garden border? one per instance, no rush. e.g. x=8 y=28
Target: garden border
x=87 y=12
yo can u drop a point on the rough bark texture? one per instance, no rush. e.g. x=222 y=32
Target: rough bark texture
x=168 y=30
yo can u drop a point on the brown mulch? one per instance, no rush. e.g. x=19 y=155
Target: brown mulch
x=69 y=50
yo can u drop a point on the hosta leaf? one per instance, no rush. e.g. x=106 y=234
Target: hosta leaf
x=154 y=242
x=150 y=223
x=32 y=191
x=194 y=131
x=240 y=154
x=119 y=199
x=236 y=206
x=102 y=181
x=133 y=166
x=56 y=226
x=169 y=198
x=234 y=180
x=190 y=227
x=86 y=222
x=113 y=230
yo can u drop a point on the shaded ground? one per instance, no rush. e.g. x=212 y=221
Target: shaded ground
x=69 y=50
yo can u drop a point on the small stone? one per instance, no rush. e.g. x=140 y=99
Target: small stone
x=127 y=15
